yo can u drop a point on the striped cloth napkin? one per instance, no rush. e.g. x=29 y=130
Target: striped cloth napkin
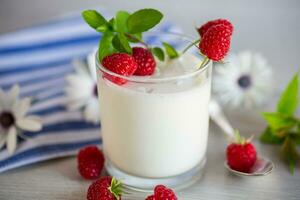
x=38 y=58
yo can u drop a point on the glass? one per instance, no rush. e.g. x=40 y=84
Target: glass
x=155 y=129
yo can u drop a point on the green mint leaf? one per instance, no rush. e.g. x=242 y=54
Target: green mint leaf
x=120 y=43
x=278 y=122
x=159 y=53
x=105 y=45
x=268 y=137
x=93 y=18
x=290 y=153
x=171 y=52
x=287 y=104
x=143 y=20
x=102 y=28
x=121 y=21
x=112 y=24
x=295 y=137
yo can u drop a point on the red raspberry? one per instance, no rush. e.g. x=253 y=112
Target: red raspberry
x=151 y=197
x=161 y=192
x=105 y=188
x=241 y=155
x=90 y=162
x=215 y=43
x=145 y=61
x=203 y=29
x=119 y=63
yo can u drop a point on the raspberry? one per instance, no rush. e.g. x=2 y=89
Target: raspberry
x=203 y=29
x=215 y=43
x=119 y=63
x=90 y=162
x=151 y=197
x=145 y=61
x=241 y=155
x=161 y=192
x=105 y=188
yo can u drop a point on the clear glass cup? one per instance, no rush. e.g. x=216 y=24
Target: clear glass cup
x=155 y=130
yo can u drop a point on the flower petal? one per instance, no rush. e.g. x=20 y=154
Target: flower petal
x=80 y=67
x=92 y=111
x=21 y=107
x=2 y=140
x=14 y=91
x=11 y=139
x=30 y=123
x=92 y=64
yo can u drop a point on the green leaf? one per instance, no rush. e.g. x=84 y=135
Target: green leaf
x=290 y=153
x=105 y=45
x=102 y=28
x=295 y=137
x=288 y=102
x=159 y=53
x=143 y=20
x=112 y=24
x=268 y=137
x=277 y=121
x=93 y=18
x=121 y=21
x=172 y=53
x=121 y=44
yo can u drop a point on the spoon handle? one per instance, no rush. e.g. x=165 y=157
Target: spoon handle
x=217 y=115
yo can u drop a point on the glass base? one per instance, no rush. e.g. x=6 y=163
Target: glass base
x=147 y=184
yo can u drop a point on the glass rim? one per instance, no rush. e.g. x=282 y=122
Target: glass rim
x=149 y=79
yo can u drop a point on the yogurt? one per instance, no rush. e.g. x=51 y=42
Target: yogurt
x=157 y=129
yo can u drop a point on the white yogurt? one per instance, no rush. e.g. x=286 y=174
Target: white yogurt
x=156 y=130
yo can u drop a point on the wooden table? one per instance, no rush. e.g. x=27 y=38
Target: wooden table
x=58 y=179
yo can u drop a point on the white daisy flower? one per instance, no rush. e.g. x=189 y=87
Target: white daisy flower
x=13 y=119
x=82 y=91
x=246 y=80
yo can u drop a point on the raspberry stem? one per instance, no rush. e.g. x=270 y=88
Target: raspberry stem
x=204 y=62
x=190 y=45
x=115 y=188
x=137 y=40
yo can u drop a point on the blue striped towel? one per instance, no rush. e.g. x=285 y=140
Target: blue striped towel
x=38 y=58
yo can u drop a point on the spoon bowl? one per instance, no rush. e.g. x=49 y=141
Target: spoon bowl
x=261 y=167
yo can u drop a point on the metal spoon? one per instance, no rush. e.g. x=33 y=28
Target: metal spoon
x=262 y=165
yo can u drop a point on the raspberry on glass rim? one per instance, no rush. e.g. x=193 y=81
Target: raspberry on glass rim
x=203 y=29
x=119 y=63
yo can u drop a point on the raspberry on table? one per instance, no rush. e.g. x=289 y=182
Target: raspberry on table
x=105 y=188
x=90 y=162
x=161 y=192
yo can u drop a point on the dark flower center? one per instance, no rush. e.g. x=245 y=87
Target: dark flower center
x=6 y=119
x=244 y=81
x=95 y=91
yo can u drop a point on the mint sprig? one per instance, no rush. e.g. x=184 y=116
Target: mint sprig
x=283 y=126
x=125 y=28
